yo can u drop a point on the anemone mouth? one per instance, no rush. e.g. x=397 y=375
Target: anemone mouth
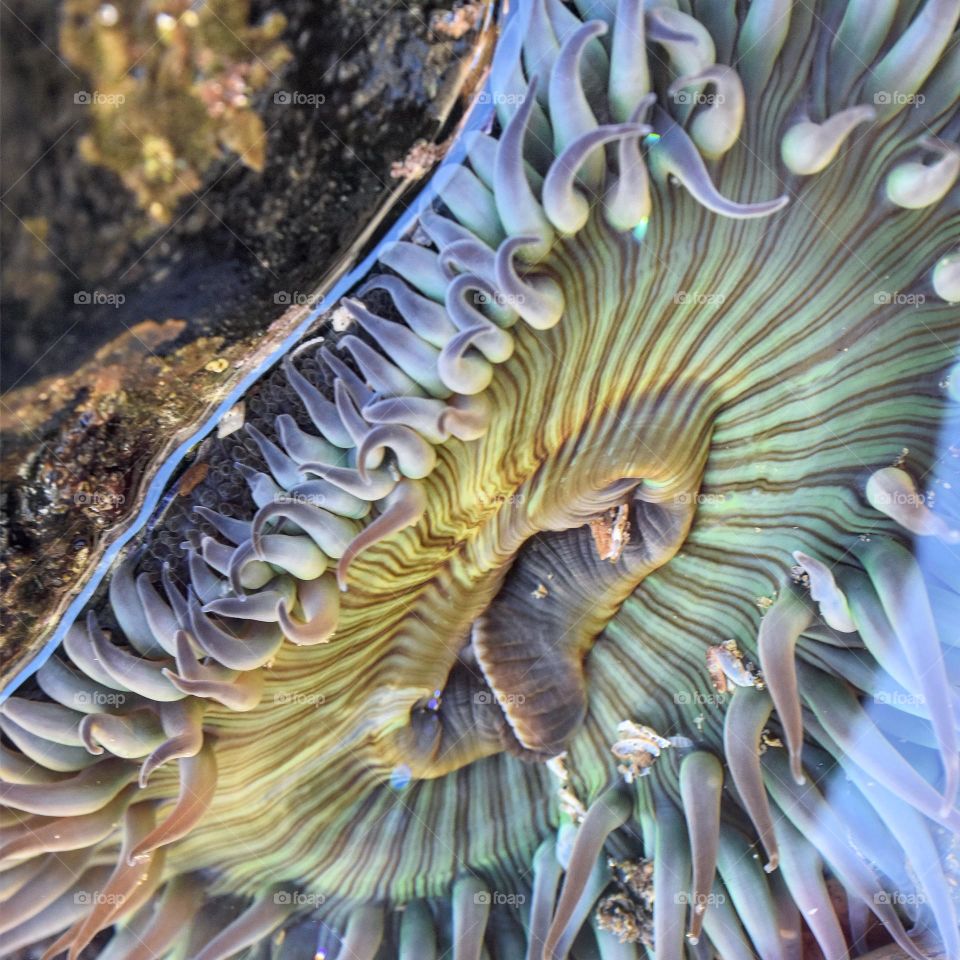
x=525 y=653
x=611 y=465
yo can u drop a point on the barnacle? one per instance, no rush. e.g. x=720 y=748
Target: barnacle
x=700 y=274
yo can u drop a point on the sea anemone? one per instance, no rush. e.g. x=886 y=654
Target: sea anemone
x=599 y=521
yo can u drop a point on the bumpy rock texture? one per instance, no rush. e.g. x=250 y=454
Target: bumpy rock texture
x=121 y=329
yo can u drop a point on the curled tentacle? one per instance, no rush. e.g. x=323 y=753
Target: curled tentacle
x=688 y=43
x=717 y=128
x=626 y=201
x=538 y=300
x=182 y=726
x=570 y=110
x=319 y=602
x=893 y=492
x=331 y=533
x=250 y=647
x=198 y=781
x=567 y=207
x=518 y=207
x=236 y=690
x=402 y=508
x=415 y=457
x=809 y=147
x=465 y=418
x=674 y=154
x=132 y=735
x=915 y=185
x=375 y=486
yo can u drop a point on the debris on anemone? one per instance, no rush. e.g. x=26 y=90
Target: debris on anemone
x=603 y=541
